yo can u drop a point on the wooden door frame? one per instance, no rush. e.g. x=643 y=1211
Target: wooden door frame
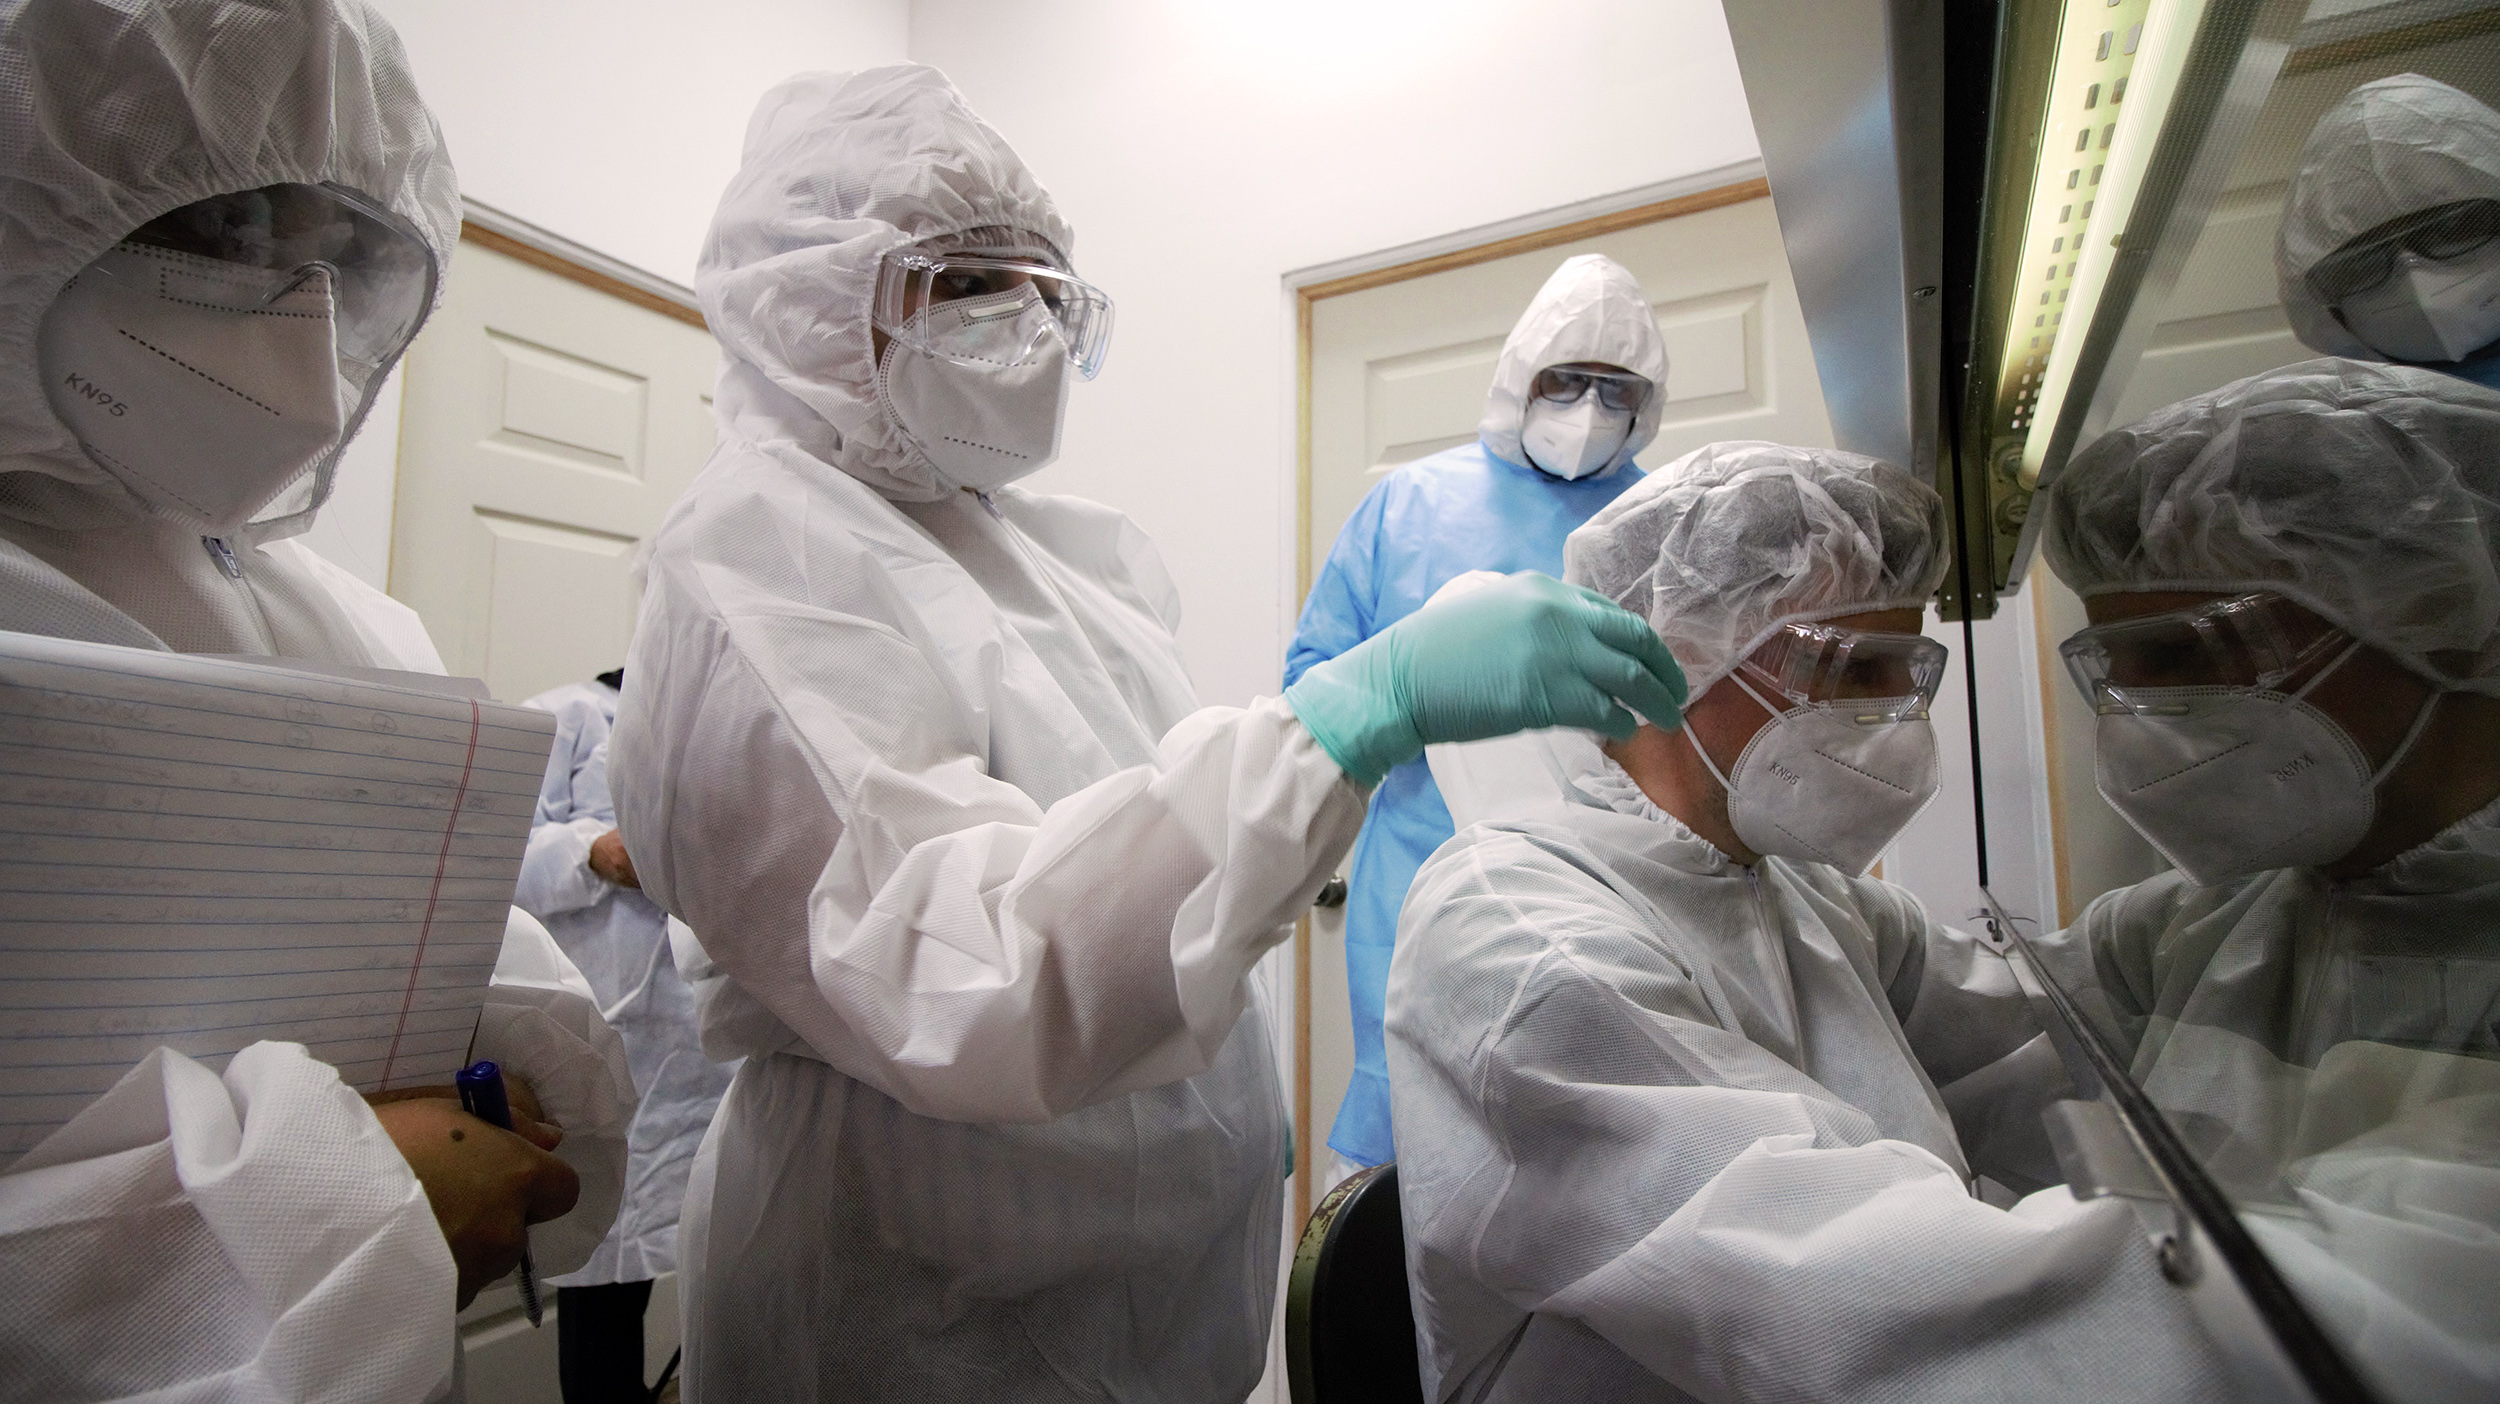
x=1306 y=1136
x=516 y=238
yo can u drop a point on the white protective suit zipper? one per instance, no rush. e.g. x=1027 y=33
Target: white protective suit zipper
x=1778 y=971
x=1032 y=562
x=231 y=566
x=2313 y=981
x=223 y=556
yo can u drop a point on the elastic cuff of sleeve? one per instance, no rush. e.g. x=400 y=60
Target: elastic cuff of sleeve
x=1341 y=717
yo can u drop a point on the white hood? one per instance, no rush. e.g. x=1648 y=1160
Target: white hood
x=1592 y=309
x=838 y=169
x=143 y=109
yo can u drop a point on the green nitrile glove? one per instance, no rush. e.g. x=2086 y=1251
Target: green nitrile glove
x=1524 y=653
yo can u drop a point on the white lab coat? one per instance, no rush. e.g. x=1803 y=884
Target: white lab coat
x=927 y=775
x=2331 y=1052
x=620 y=941
x=1670 y=1128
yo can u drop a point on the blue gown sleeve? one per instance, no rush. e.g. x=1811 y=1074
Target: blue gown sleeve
x=1342 y=606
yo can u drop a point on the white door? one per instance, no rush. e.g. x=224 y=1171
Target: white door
x=1400 y=371
x=546 y=429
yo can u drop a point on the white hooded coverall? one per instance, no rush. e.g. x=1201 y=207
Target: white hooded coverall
x=925 y=770
x=251 y=1235
x=2389 y=148
x=1670 y=1128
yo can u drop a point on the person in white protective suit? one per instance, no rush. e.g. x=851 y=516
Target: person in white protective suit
x=914 y=751
x=224 y=222
x=2389 y=245
x=1689 y=1108
x=580 y=881
x=2294 y=583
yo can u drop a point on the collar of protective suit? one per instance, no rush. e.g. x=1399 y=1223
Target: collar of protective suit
x=1610 y=786
x=1784 y=948
x=236 y=95
x=1591 y=309
x=839 y=169
x=151 y=583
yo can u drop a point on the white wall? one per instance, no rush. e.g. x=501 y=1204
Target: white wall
x=616 y=122
x=1201 y=149
x=1204 y=149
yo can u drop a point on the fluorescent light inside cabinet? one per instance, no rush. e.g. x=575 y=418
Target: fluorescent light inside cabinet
x=2139 y=66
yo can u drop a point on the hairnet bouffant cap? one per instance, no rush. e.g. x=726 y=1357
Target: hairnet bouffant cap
x=2389 y=148
x=1734 y=539
x=2369 y=493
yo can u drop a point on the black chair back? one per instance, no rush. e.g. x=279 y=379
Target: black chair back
x=1349 y=1326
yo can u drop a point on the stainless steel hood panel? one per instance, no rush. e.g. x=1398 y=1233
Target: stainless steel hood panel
x=1848 y=108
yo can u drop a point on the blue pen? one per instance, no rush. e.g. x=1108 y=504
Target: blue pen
x=482 y=1096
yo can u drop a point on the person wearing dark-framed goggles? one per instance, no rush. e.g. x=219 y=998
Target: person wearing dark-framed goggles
x=2389 y=244
x=1577 y=391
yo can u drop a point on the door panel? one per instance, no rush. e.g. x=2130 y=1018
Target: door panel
x=546 y=430
x=2222 y=321
x=576 y=410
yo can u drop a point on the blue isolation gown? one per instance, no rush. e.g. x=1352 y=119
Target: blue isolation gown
x=1436 y=518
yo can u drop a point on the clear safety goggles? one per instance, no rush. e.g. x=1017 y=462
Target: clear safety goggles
x=989 y=310
x=2259 y=640
x=1620 y=391
x=2440 y=233
x=1872 y=678
x=381 y=271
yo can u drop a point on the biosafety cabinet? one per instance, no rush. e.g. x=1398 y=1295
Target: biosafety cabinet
x=2015 y=225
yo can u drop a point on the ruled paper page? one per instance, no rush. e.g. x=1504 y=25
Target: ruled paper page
x=205 y=852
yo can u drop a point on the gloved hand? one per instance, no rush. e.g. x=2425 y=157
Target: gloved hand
x=1524 y=653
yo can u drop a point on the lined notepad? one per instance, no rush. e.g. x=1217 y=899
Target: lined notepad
x=206 y=852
